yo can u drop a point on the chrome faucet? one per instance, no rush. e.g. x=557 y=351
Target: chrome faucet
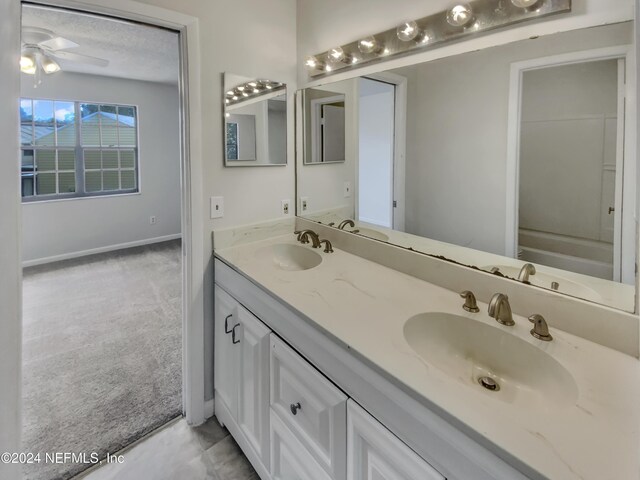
x=526 y=270
x=303 y=237
x=500 y=309
x=540 y=328
x=346 y=222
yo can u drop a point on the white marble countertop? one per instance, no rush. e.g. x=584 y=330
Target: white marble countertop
x=366 y=305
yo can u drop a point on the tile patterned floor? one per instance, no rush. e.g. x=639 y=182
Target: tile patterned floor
x=178 y=451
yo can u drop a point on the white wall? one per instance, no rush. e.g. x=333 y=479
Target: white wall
x=57 y=229
x=457 y=136
x=10 y=270
x=327 y=23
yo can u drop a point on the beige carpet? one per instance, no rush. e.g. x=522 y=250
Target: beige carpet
x=102 y=353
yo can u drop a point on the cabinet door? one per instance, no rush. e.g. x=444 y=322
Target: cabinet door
x=253 y=388
x=226 y=355
x=311 y=406
x=290 y=460
x=374 y=453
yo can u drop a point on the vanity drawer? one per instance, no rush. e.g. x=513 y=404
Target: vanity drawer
x=311 y=406
x=289 y=458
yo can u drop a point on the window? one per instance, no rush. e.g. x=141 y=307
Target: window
x=232 y=141
x=77 y=149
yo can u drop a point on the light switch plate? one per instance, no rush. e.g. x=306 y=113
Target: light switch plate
x=347 y=189
x=217 y=207
x=304 y=204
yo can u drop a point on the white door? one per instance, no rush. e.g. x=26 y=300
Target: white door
x=376 y=152
x=333 y=133
x=253 y=387
x=374 y=453
x=226 y=355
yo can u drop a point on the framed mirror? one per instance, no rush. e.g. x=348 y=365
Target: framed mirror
x=518 y=159
x=255 y=122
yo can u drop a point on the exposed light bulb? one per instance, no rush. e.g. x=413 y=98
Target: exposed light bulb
x=241 y=88
x=311 y=62
x=226 y=100
x=327 y=68
x=245 y=94
x=49 y=65
x=28 y=63
x=335 y=55
x=253 y=84
x=368 y=45
x=407 y=31
x=460 y=15
x=354 y=60
x=269 y=87
x=255 y=90
x=235 y=97
x=230 y=92
x=525 y=3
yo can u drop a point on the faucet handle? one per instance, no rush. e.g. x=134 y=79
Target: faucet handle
x=470 y=304
x=540 y=328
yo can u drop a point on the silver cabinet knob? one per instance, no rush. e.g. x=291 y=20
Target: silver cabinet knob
x=295 y=407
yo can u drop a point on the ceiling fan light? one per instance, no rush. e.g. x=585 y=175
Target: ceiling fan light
x=28 y=63
x=49 y=65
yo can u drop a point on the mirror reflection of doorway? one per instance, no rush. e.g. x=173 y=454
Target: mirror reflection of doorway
x=570 y=168
x=376 y=152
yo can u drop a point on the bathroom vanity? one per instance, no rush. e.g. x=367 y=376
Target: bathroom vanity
x=332 y=366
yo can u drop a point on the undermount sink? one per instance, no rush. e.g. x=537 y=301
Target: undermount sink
x=291 y=257
x=543 y=279
x=491 y=360
x=371 y=233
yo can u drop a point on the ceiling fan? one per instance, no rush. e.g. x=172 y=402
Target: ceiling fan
x=41 y=48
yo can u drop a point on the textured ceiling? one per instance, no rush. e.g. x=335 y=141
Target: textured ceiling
x=134 y=51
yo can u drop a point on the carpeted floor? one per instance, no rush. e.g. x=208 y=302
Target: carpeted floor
x=102 y=353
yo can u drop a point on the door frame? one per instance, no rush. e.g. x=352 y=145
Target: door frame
x=399 y=144
x=625 y=151
x=191 y=166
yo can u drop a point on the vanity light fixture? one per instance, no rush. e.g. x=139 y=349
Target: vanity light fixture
x=251 y=89
x=460 y=15
x=525 y=3
x=460 y=21
x=368 y=44
x=407 y=31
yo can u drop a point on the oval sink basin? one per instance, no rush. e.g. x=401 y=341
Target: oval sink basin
x=470 y=351
x=544 y=280
x=291 y=257
x=371 y=233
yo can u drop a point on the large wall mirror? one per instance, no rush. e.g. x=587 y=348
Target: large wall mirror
x=255 y=122
x=517 y=159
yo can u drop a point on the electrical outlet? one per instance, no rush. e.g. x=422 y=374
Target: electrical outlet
x=153 y=220
x=217 y=207
x=347 y=189
x=285 y=207
x=304 y=203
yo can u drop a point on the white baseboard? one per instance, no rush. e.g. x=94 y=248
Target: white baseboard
x=92 y=251
x=208 y=408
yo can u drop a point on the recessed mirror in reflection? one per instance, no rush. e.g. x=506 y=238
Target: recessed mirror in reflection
x=324 y=126
x=255 y=122
x=510 y=159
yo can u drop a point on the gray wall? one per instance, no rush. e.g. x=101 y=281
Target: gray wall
x=61 y=228
x=457 y=136
x=10 y=271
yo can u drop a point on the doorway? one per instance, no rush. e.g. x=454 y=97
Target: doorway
x=102 y=227
x=571 y=122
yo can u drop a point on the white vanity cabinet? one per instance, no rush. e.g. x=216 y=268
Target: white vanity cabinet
x=242 y=373
x=374 y=453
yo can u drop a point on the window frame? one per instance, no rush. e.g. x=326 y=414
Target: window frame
x=79 y=150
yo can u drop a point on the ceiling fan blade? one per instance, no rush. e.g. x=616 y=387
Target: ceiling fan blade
x=76 y=57
x=58 y=43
